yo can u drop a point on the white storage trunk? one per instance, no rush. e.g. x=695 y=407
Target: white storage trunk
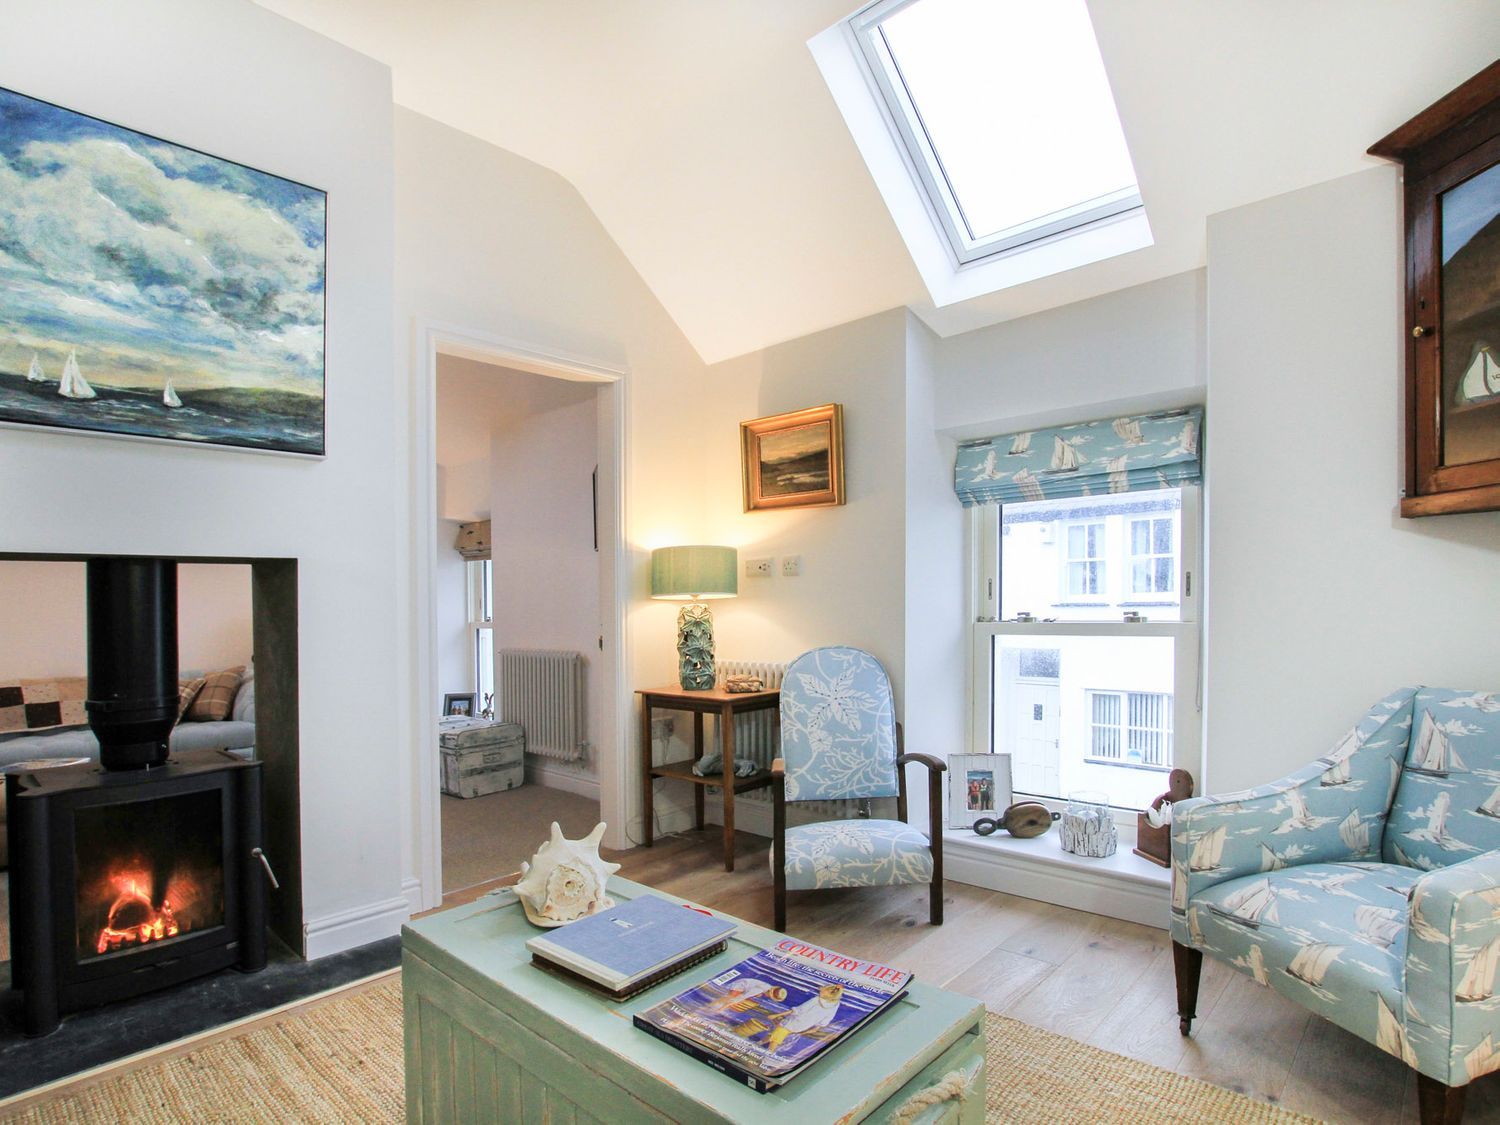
x=484 y=769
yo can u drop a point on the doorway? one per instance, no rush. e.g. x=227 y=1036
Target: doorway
x=532 y=444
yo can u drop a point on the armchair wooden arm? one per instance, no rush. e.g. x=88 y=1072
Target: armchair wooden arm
x=936 y=767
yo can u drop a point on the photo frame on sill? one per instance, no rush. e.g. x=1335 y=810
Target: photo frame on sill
x=459 y=704
x=978 y=785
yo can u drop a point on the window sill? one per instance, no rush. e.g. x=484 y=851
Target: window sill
x=1119 y=886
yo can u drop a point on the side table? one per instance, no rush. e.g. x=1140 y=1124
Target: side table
x=715 y=701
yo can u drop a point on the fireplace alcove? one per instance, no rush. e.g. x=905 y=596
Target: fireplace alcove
x=141 y=902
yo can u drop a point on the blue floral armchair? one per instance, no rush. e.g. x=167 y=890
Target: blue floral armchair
x=840 y=740
x=1365 y=887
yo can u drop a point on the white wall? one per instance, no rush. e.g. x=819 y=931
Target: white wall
x=1321 y=598
x=937 y=635
x=42 y=618
x=235 y=80
x=1132 y=349
x=497 y=245
x=852 y=586
x=546 y=572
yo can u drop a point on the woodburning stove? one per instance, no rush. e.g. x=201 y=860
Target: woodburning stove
x=146 y=870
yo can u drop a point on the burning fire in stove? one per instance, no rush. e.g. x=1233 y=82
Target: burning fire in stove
x=134 y=919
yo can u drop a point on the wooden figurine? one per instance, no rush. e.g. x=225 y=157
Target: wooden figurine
x=1154 y=842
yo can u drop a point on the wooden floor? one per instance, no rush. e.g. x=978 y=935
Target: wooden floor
x=1095 y=979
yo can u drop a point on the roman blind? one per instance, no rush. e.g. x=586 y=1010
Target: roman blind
x=1087 y=459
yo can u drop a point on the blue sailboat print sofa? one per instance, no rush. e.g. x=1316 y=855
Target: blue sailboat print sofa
x=1365 y=887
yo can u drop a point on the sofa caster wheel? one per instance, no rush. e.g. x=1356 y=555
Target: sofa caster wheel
x=1185 y=1025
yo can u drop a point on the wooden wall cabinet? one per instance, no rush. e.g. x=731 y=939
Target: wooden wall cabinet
x=1450 y=154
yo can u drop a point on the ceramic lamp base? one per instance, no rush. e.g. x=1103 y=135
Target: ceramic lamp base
x=695 y=647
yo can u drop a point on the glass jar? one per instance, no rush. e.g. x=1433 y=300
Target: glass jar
x=1088 y=827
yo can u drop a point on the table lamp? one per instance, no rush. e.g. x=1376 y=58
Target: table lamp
x=693 y=575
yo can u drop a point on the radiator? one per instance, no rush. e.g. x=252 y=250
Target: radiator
x=543 y=691
x=755 y=736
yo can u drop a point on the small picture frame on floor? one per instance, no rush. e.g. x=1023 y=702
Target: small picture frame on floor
x=978 y=785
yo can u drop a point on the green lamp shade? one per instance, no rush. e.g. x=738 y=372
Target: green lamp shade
x=694 y=572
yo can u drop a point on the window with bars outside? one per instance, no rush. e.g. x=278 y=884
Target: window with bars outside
x=1131 y=728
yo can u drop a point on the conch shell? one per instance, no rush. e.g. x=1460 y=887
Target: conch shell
x=566 y=879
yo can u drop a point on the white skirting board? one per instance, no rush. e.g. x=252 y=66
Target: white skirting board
x=540 y=773
x=411 y=888
x=356 y=926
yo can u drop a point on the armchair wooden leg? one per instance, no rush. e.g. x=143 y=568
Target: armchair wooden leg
x=1438 y=1104
x=1189 y=965
x=935 y=909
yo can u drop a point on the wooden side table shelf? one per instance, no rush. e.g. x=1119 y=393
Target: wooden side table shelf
x=718 y=702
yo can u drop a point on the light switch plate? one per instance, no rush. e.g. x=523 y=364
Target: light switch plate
x=791 y=566
x=758 y=568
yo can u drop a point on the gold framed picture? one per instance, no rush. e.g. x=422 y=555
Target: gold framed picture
x=794 y=460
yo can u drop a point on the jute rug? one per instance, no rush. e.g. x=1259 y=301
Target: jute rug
x=340 y=1061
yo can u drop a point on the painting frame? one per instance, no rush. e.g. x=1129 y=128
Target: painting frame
x=808 y=444
x=237 y=397
x=965 y=771
x=460 y=704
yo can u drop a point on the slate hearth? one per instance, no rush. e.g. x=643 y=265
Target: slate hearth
x=101 y=1035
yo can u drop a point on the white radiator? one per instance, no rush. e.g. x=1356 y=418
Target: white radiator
x=543 y=691
x=755 y=735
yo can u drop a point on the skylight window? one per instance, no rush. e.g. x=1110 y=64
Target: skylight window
x=1006 y=116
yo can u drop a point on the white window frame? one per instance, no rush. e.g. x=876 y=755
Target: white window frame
x=927 y=169
x=1101 y=594
x=480 y=597
x=1187 y=691
x=1150 y=557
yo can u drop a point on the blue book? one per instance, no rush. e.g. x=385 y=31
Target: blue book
x=619 y=947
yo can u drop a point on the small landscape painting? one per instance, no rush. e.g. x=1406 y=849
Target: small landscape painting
x=151 y=290
x=794 y=460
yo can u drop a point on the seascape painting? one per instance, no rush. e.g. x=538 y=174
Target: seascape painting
x=794 y=460
x=151 y=290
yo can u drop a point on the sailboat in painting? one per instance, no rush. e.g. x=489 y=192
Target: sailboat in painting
x=1479 y=977
x=73 y=384
x=1313 y=961
x=1390 y=1036
x=1434 y=753
x=1251 y=905
x=1209 y=850
x=169 y=396
x=34 y=372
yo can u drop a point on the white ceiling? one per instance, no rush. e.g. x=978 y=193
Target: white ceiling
x=702 y=135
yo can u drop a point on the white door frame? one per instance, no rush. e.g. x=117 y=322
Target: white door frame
x=429 y=340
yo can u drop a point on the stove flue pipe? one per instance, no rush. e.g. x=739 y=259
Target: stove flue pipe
x=132 y=657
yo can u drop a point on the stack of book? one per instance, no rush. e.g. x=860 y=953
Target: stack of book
x=769 y=1018
x=631 y=947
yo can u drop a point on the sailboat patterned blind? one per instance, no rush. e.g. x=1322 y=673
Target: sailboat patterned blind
x=1087 y=459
